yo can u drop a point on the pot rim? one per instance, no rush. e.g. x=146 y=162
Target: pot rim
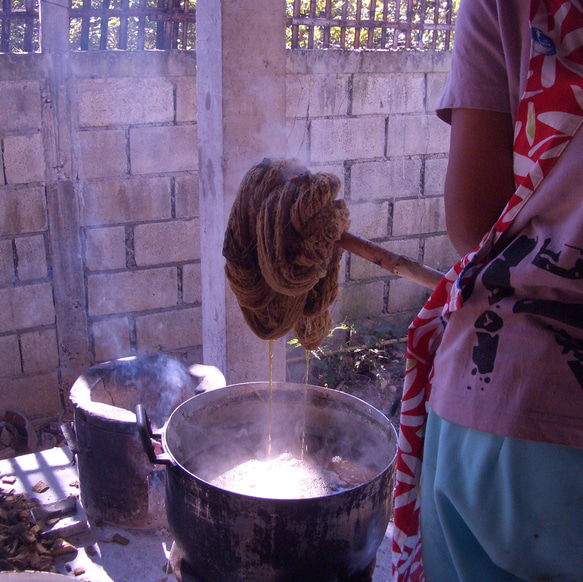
x=215 y=395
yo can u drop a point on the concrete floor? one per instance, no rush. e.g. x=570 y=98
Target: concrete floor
x=143 y=559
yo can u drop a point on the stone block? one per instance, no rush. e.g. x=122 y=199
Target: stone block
x=434 y=179
x=297 y=140
x=167 y=242
x=21 y=106
x=105 y=248
x=191 y=283
x=130 y=291
x=111 y=338
x=26 y=306
x=440 y=253
x=385 y=179
x=186 y=99
x=170 y=330
x=388 y=93
x=22 y=210
x=132 y=200
x=35 y=396
x=186 y=196
x=9 y=356
x=172 y=148
x=124 y=101
x=102 y=153
x=363 y=269
x=317 y=95
x=24 y=160
x=418 y=216
x=416 y=134
x=435 y=86
x=369 y=219
x=31 y=257
x=39 y=351
x=7 y=273
x=404 y=295
x=359 y=301
x=347 y=138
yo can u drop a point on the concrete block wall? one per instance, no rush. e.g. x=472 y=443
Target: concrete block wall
x=369 y=118
x=131 y=139
x=126 y=123
x=138 y=183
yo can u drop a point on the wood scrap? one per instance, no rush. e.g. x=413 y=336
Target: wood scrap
x=21 y=545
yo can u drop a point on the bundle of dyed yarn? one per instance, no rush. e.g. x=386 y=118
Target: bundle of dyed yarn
x=282 y=262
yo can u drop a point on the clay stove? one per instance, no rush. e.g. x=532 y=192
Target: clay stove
x=117 y=482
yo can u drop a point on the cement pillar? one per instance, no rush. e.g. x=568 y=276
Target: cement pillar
x=62 y=198
x=241 y=60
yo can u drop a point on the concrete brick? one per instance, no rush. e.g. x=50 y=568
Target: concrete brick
x=133 y=200
x=362 y=269
x=111 y=338
x=102 y=153
x=39 y=351
x=115 y=101
x=440 y=253
x=186 y=99
x=105 y=248
x=34 y=396
x=317 y=95
x=22 y=210
x=31 y=255
x=21 y=106
x=186 y=196
x=171 y=330
x=7 y=273
x=347 y=138
x=297 y=140
x=434 y=180
x=9 y=356
x=388 y=93
x=435 y=86
x=410 y=135
x=369 y=219
x=172 y=148
x=404 y=295
x=358 y=301
x=24 y=159
x=191 y=283
x=418 y=216
x=387 y=179
x=132 y=291
x=26 y=306
x=167 y=242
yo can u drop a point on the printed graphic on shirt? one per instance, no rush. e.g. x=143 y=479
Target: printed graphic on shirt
x=496 y=278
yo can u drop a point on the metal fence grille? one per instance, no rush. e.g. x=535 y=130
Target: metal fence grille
x=132 y=24
x=20 y=26
x=371 y=24
x=171 y=24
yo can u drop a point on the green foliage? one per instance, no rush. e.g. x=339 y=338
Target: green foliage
x=351 y=351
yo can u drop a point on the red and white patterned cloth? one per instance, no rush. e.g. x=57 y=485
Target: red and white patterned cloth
x=549 y=114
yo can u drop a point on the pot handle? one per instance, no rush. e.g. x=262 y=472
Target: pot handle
x=147 y=436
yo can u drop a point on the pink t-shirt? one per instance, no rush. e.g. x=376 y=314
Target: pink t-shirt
x=510 y=360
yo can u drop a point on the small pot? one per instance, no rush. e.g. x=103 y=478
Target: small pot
x=232 y=537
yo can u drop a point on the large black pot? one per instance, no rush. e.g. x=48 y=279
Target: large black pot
x=229 y=537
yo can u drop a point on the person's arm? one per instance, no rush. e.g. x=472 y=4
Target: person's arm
x=480 y=179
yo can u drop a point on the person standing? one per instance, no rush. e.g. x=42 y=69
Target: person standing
x=490 y=461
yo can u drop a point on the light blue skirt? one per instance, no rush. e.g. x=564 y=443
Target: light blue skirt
x=496 y=509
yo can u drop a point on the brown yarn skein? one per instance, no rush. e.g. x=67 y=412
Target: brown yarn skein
x=282 y=262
